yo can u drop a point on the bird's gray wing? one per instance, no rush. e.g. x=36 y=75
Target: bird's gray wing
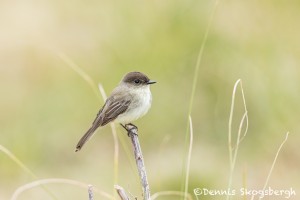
x=112 y=108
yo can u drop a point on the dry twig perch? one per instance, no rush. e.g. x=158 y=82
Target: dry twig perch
x=133 y=134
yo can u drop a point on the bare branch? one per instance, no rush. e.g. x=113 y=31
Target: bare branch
x=121 y=192
x=133 y=133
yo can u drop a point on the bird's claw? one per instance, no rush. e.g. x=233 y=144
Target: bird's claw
x=129 y=127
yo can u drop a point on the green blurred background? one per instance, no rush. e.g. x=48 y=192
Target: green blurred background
x=46 y=106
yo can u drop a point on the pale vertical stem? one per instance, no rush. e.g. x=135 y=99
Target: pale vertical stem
x=115 y=138
x=194 y=84
x=233 y=150
x=230 y=136
x=189 y=158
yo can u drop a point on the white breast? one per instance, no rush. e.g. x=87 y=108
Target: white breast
x=138 y=107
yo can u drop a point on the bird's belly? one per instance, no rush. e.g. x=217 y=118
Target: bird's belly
x=136 y=110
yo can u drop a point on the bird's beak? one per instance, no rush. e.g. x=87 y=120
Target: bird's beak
x=151 y=82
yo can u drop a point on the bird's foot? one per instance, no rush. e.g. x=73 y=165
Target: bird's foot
x=129 y=128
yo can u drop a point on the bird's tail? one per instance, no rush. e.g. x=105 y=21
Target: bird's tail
x=85 y=138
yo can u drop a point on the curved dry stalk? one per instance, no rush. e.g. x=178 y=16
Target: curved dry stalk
x=273 y=164
x=274 y=161
x=38 y=183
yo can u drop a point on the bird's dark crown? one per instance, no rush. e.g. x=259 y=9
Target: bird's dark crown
x=136 y=78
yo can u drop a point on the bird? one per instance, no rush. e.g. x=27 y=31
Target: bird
x=129 y=101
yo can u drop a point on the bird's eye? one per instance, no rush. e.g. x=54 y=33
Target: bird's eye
x=137 y=81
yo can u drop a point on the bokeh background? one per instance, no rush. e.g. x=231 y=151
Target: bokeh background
x=46 y=106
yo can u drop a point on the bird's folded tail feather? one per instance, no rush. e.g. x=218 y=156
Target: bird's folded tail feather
x=85 y=138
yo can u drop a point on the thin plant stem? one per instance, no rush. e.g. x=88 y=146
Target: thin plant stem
x=116 y=143
x=79 y=71
x=238 y=140
x=17 y=161
x=233 y=150
x=25 y=168
x=189 y=157
x=274 y=161
x=115 y=138
x=195 y=80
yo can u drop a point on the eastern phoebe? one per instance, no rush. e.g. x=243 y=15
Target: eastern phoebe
x=130 y=100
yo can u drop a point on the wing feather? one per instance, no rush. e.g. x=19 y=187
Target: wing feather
x=112 y=108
